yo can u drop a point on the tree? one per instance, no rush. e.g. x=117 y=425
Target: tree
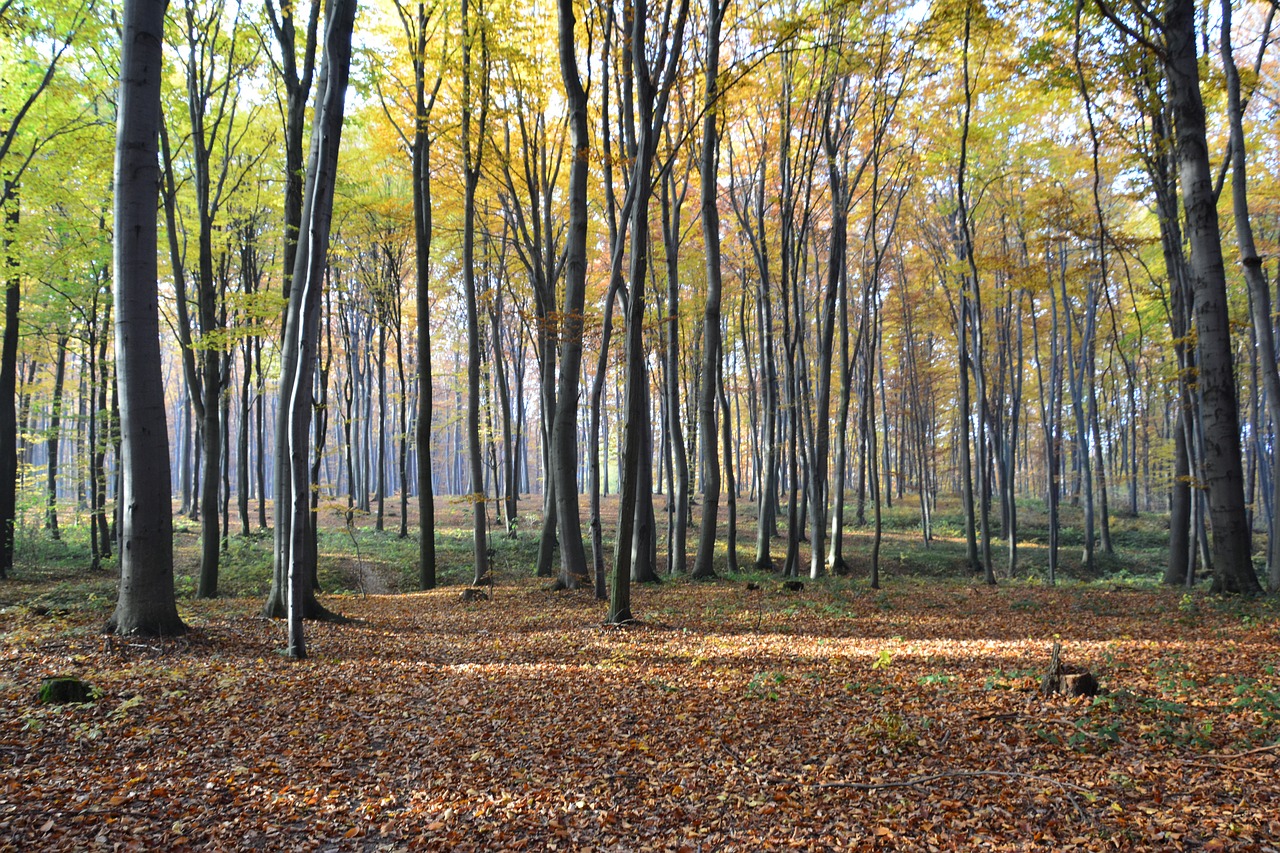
x=214 y=63
x=573 y=561
x=302 y=323
x=146 y=603
x=473 y=131
x=1215 y=385
x=712 y=355
x=419 y=21
x=1254 y=275
x=652 y=95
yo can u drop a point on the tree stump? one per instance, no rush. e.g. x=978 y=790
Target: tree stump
x=64 y=689
x=1065 y=679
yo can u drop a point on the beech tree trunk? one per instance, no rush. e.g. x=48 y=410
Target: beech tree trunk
x=291 y=583
x=712 y=380
x=146 y=603
x=9 y=383
x=573 y=559
x=1216 y=387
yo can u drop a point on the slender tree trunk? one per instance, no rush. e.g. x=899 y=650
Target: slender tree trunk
x=573 y=560
x=712 y=378
x=471 y=151
x=55 y=436
x=292 y=593
x=422 y=230
x=8 y=383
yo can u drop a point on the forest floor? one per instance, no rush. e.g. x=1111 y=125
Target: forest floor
x=725 y=718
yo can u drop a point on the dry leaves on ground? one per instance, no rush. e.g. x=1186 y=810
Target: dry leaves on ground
x=726 y=719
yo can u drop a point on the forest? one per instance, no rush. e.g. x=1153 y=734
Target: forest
x=668 y=425
x=802 y=262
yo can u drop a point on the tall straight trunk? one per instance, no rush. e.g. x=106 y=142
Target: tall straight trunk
x=422 y=229
x=402 y=455
x=1251 y=261
x=712 y=368
x=971 y=312
x=103 y=413
x=472 y=147
x=55 y=436
x=319 y=432
x=146 y=603
x=1050 y=418
x=1216 y=387
x=678 y=495
x=1077 y=370
x=1180 y=565
x=651 y=99
x=507 y=465
x=260 y=456
x=838 y=181
x=90 y=417
x=8 y=383
x=292 y=594
x=242 y=437
x=380 y=522
x=730 y=484
x=185 y=450
x=573 y=560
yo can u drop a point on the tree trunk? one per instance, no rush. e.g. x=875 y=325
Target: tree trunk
x=471 y=153
x=1216 y=387
x=146 y=602
x=573 y=560
x=292 y=594
x=55 y=436
x=712 y=379
x=1251 y=261
x=8 y=384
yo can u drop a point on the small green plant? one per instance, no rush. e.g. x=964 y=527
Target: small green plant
x=939 y=678
x=883 y=659
x=763 y=685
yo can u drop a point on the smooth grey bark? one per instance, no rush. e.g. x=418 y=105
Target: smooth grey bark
x=291 y=582
x=146 y=603
x=712 y=346
x=1251 y=261
x=835 y=145
x=55 y=436
x=573 y=560
x=650 y=102
x=970 y=313
x=297 y=75
x=671 y=205
x=415 y=25
x=1216 y=387
x=473 y=131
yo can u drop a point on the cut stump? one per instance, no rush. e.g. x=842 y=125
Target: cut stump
x=1067 y=680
